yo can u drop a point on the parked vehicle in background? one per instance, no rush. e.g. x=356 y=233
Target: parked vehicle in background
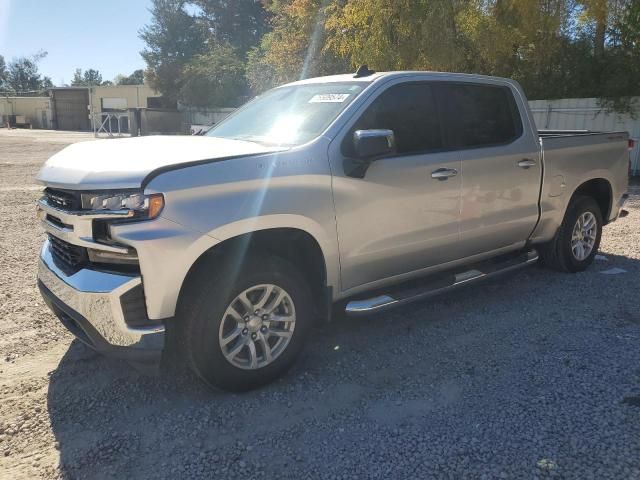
x=341 y=190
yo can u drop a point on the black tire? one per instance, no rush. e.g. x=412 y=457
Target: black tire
x=211 y=291
x=557 y=254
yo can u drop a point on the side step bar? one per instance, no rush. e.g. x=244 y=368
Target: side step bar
x=440 y=285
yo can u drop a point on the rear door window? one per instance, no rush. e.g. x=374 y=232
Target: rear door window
x=409 y=109
x=478 y=115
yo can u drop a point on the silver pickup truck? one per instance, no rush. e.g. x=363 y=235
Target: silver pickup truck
x=351 y=193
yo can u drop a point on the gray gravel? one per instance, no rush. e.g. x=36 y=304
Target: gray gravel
x=533 y=376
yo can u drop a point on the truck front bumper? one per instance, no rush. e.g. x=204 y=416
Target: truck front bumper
x=90 y=304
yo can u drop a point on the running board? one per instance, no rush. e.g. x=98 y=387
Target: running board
x=439 y=285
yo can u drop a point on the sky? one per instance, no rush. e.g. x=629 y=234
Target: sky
x=76 y=34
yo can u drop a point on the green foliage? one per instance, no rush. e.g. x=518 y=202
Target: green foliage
x=136 y=78
x=397 y=34
x=22 y=75
x=237 y=23
x=3 y=74
x=214 y=79
x=627 y=28
x=173 y=38
x=185 y=35
x=92 y=77
x=77 y=77
x=295 y=48
x=554 y=48
x=89 y=78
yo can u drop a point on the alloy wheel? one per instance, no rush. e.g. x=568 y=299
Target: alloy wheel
x=257 y=326
x=584 y=236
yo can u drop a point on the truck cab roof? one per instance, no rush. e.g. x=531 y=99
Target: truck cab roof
x=376 y=76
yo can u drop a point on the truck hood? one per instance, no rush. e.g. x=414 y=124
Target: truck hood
x=124 y=163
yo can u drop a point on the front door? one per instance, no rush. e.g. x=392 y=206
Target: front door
x=403 y=215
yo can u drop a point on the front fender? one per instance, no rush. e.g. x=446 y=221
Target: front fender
x=223 y=200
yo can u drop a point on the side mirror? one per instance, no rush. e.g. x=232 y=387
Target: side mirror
x=370 y=144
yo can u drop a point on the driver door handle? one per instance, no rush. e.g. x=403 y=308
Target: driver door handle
x=444 y=173
x=526 y=163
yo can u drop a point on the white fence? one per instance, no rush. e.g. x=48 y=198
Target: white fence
x=585 y=114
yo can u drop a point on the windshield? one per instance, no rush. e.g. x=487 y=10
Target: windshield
x=289 y=115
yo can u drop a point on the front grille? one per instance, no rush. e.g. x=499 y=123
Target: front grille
x=67 y=257
x=63 y=199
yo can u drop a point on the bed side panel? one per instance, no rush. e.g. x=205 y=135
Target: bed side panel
x=570 y=161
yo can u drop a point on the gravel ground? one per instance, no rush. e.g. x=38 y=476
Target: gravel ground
x=533 y=376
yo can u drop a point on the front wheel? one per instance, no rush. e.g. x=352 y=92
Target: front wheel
x=246 y=331
x=577 y=241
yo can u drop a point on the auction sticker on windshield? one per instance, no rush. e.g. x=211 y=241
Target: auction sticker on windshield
x=329 y=98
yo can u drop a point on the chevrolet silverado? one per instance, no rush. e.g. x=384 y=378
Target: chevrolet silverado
x=351 y=193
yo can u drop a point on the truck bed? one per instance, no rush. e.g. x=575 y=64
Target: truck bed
x=572 y=157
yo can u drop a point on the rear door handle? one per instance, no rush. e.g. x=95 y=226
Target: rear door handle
x=444 y=173
x=526 y=163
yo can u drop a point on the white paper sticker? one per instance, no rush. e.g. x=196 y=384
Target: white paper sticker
x=329 y=98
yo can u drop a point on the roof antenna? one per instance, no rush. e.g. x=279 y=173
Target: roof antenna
x=363 y=71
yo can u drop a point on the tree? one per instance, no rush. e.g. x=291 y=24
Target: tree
x=598 y=20
x=89 y=78
x=179 y=43
x=627 y=28
x=525 y=40
x=77 y=77
x=23 y=76
x=398 y=34
x=238 y=23
x=172 y=39
x=295 y=48
x=92 y=77
x=617 y=69
x=214 y=79
x=3 y=74
x=554 y=48
x=136 y=78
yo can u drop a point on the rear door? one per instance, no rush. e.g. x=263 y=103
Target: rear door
x=400 y=217
x=500 y=163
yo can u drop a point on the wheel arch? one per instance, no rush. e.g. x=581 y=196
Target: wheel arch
x=553 y=208
x=601 y=191
x=296 y=245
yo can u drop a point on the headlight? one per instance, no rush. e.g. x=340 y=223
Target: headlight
x=145 y=206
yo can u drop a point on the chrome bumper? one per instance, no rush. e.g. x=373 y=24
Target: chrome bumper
x=89 y=304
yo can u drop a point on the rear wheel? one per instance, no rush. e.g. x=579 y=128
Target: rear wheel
x=245 y=328
x=578 y=238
